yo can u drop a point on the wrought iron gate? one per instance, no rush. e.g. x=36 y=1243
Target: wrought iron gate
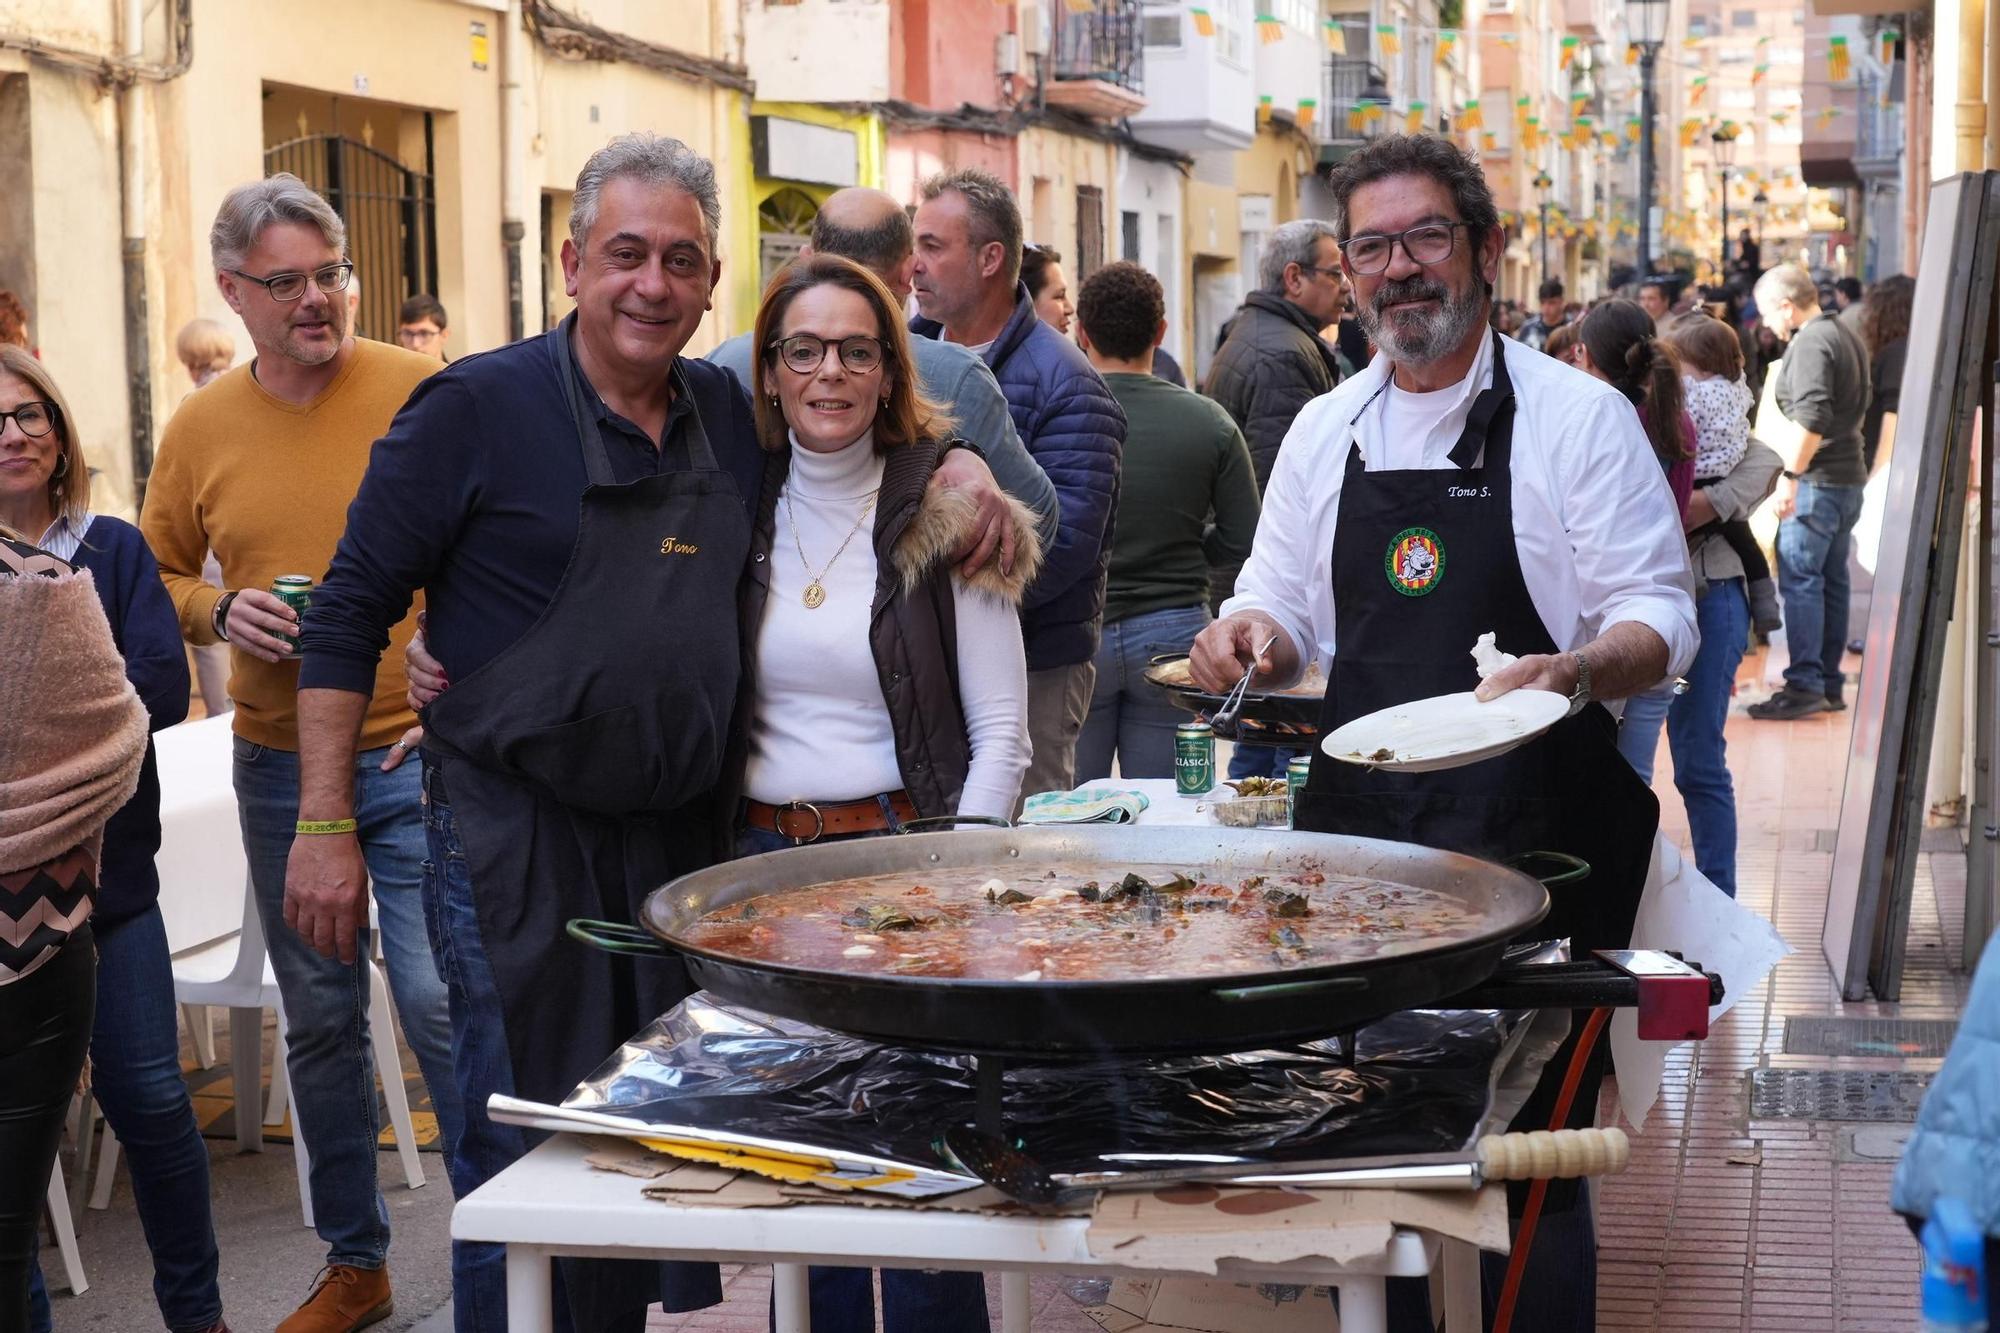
x=391 y=216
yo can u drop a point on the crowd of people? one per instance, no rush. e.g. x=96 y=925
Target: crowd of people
x=639 y=612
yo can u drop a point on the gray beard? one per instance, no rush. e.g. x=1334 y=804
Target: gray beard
x=1420 y=339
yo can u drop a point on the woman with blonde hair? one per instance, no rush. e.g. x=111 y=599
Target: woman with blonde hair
x=135 y=1046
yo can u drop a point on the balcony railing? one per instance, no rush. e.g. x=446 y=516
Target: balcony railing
x=1346 y=86
x=1102 y=44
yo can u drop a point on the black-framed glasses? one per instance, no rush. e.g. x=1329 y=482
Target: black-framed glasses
x=291 y=286
x=805 y=353
x=1426 y=243
x=35 y=418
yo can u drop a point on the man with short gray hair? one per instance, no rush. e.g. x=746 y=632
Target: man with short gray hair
x=259 y=467
x=1822 y=387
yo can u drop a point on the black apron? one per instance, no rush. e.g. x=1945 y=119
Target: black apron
x=1424 y=562
x=581 y=763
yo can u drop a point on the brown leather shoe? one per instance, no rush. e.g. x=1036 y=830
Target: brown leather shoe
x=342 y=1299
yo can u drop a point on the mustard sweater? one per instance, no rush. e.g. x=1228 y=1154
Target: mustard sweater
x=265 y=484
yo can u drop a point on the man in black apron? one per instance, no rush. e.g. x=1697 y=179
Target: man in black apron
x=1435 y=537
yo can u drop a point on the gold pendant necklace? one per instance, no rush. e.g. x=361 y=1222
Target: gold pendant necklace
x=815 y=594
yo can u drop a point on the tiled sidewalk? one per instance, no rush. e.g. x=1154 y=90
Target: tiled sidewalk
x=1722 y=1223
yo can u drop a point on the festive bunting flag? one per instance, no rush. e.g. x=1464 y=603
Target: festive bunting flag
x=1608 y=139
x=1447 y=43
x=1204 y=22
x=1082 y=6
x=1837 y=63
x=1531 y=134
x=1336 y=38
x=1698 y=90
x=1781 y=117
x=1690 y=131
x=1264 y=110
x=1413 y=118
x=1691 y=42
x=1631 y=53
x=1568 y=56
x=1632 y=128
x=1757 y=73
x=1473 y=117
x=1308 y=112
x=1489 y=141
x=1270 y=30
x=1357 y=118
x=1388 y=40
x=1521 y=110
x=1826 y=115
x=1888 y=37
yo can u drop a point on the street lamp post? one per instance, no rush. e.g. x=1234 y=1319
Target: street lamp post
x=1646 y=26
x=1542 y=183
x=1762 y=203
x=1724 y=143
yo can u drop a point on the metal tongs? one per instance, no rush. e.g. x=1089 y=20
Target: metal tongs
x=1223 y=721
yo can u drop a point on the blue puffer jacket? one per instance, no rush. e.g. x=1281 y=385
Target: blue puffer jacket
x=1075 y=429
x=1956 y=1146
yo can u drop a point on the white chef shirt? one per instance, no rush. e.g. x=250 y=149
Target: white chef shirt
x=1595 y=526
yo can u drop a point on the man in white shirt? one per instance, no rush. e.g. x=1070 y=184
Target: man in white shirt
x=1462 y=484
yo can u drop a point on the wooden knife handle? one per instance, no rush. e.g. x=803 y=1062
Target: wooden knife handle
x=1560 y=1155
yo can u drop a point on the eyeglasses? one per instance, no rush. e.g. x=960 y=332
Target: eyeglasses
x=419 y=335
x=35 y=419
x=291 y=286
x=1333 y=272
x=805 y=353
x=1430 y=243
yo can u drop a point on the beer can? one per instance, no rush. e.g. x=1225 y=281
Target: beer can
x=1194 y=759
x=295 y=591
x=1296 y=773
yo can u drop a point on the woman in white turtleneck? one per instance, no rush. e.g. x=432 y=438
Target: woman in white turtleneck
x=883 y=685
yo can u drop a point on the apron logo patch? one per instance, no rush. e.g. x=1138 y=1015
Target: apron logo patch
x=675 y=546
x=1415 y=562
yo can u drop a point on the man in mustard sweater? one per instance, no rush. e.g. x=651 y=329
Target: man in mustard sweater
x=260 y=467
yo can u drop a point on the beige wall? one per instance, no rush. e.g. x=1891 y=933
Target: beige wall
x=1062 y=162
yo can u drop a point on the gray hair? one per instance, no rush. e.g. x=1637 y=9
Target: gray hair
x=995 y=214
x=654 y=159
x=1291 y=243
x=248 y=209
x=1429 y=155
x=1786 y=282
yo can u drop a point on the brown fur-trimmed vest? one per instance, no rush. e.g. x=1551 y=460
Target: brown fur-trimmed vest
x=912 y=624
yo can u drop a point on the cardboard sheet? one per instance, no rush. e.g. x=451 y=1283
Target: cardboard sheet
x=1189 y=1228
x=1192 y=1305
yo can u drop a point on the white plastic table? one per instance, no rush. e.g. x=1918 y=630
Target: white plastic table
x=550 y=1203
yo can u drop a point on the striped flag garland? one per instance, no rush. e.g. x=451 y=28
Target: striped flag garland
x=1081 y=6
x=1632 y=128
x=1388 y=39
x=1631 y=53
x=1889 y=37
x=1447 y=43
x=1336 y=37
x=1837 y=64
x=1204 y=22
x=1270 y=30
x=1489 y=141
x=1690 y=131
x=1473 y=117
x=1757 y=73
x=1413 y=118
x=1357 y=118
x=1699 y=90
x=1308 y=112
x=1264 y=110
x=1568 y=56
x=1781 y=117
x=1826 y=115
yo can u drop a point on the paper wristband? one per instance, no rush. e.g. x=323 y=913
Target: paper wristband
x=327 y=826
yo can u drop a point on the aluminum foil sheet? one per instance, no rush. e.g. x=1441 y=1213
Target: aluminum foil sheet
x=1422 y=1082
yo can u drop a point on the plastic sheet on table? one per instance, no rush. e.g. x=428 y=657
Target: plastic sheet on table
x=1421 y=1082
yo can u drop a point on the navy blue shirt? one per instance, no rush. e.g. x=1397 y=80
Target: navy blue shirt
x=474 y=495
x=147 y=631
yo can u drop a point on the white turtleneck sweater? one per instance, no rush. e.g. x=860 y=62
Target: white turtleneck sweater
x=822 y=731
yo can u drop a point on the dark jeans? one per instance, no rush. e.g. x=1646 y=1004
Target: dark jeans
x=481 y=1067
x=1558 y=1292
x=135 y=1075
x=1812 y=578
x=1694 y=731
x=1260 y=761
x=843 y=1299
x=1129 y=720
x=44 y=1031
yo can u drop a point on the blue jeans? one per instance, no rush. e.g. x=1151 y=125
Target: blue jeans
x=1260 y=761
x=1639 y=731
x=1694 y=730
x=843 y=1299
x=1812 y=578
x=331 y=1064
x=1130 y=719
x=481 y=1067
x=135 y=1075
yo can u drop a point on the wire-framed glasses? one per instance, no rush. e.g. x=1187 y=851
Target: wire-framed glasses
x=291 y=286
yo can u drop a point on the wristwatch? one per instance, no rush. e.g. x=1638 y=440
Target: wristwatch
x=218 y=619
x=1788 y=474
x=1580 y=696
x=959 y=442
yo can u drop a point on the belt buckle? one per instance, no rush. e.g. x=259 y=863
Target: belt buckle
x=798 y=807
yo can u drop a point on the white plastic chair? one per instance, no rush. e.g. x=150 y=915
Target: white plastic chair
x=222 y=962
x=65 y=1229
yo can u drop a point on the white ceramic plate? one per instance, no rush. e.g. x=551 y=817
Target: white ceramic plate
x=1448 y=731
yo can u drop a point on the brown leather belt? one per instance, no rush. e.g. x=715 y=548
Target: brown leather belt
x=804 y=821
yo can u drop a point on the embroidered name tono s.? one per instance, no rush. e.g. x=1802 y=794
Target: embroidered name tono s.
x=674 y=546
